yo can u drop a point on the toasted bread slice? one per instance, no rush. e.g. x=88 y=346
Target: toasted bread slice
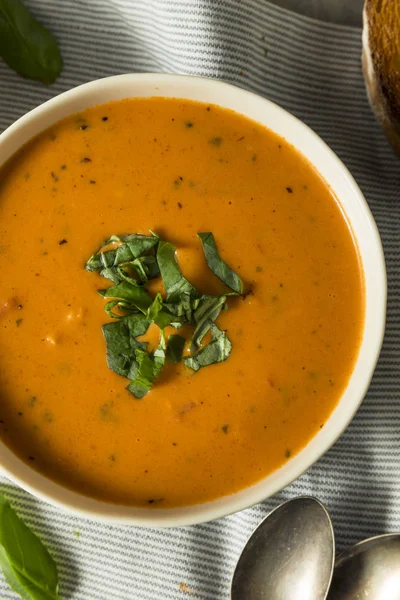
x=381 y=64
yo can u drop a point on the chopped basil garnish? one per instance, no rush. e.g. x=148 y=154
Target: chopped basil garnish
x=122 y=344
x=217 y=265
x=146 y=268
x=124 y=248
x=205 y=315
x=131 y=292
x=174 y=282
x=149 y=367
x=176 y=344
x=216 y=351
x=130 y=261
x=158 y=314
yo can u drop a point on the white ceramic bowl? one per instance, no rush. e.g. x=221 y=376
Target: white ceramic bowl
x=361 y=221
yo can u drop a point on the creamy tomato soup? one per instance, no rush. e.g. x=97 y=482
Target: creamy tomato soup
x=177 y=168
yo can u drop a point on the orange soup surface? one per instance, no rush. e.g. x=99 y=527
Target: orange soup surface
x=175 y=167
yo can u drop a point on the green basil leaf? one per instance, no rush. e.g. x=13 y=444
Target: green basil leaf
x=176 y=345
x=217 y=265
x=27 y=566
x=134 y=309
x=189 y=306
x=148 y=369
x=118 y=274
x=131 y=292
x=174 y=308
x=174 y=282
x=130 y=247
x=183 y=308
x=124 y=309
x=126 y=253
x=122 y=344
x=109 y=308
x=143 y=381
x=154 y=309
x=145 y=267
x=101 y=260
x=138 y=244
x=111 y=273
x=125 y=275
x=216 y=351
x=22 y=586
x=137 y=326
x=159 y=354
x=26 y=45
x=205 y=314
x=161 y=316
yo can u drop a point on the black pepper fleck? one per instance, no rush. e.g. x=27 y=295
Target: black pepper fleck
x=248 y=292
x=62 y=242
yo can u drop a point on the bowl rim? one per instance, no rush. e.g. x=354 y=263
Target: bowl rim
x=99 y=92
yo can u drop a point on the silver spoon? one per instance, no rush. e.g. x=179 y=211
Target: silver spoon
x=370 y=570
x=290 y=555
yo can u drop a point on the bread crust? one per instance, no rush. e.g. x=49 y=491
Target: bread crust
x=381 y=64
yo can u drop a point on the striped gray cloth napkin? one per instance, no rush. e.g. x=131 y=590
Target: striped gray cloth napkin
x=313 y=70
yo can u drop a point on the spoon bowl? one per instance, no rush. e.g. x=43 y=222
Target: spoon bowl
x=369 y=570
x=290 y=555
